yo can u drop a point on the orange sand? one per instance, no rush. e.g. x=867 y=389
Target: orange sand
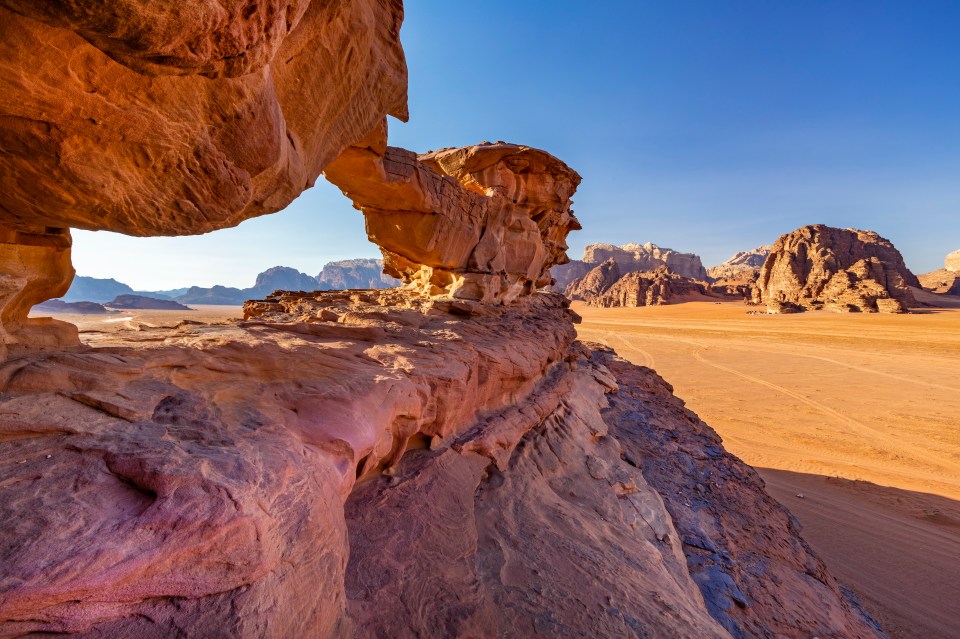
x=810 y=397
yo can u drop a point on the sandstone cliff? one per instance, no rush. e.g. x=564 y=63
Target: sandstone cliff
x=485 y=474
x=606 y=286
x=745 y=265
x=629 y=257
x=839 y=269
x=945 y=281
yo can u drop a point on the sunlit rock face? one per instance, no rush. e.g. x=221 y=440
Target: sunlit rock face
x=34 y=267
x=481 y=223
x=952 y=262
x=153 y=118
x=839 y=269
x=175 y=118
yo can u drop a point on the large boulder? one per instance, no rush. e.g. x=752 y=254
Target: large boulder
x=819 y=266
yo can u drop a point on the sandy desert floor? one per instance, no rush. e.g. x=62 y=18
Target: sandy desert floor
x=852 y=420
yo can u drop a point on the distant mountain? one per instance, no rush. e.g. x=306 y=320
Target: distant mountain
x=141 y=302
x=93 y=289
x=79 y=308
x=629 y=258
x=281 y=278
x=223 y=295
x=743 y=265
x=359 y=273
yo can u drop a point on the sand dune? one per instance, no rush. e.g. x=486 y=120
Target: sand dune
x=874 y=398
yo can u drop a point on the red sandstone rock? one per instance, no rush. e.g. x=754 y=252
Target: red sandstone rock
x=214 y=480
x=629 y=258
x=604 y=286
x=480 y=223
x=840 y=269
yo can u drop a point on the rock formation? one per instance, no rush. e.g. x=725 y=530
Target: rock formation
x=629 y=258
x=952 y=262
x=212 y=480
x=605 y=286
x=34 y=267
x=358 y=273
x=945 y=281
x=838 y=269
x=481 y=223
x=745 y=265
x=441 y=459
x=146 y=303
x=133 y=117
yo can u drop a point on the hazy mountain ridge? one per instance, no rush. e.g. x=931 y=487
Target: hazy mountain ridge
x=342 y=274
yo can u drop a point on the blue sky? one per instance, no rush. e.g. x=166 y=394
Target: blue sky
x=706 y=126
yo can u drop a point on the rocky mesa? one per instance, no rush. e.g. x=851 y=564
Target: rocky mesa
x=842 y=270
x=629 y=257
x=606 y=286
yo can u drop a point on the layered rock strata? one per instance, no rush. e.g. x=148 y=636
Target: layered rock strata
x=605 y=286
x=839 y=269
x=213 y=480
x=146 y=119
x=629 y=258
x=483 y=223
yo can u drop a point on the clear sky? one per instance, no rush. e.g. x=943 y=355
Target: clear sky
x=707 y=126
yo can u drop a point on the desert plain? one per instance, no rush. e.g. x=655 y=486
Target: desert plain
x=852 y=420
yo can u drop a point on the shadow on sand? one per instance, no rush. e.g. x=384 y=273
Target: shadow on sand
x=898 y=550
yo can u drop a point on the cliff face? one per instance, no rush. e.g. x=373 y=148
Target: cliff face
x=485 y=474
x=839 y=269
x=605 y=286
x=629 y=258
x=745 y=265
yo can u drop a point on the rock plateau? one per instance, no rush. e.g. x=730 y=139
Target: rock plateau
x=606 y=286
x=629 y=257
x=838 y=269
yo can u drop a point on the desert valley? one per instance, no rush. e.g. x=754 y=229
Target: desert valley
x=474 y=435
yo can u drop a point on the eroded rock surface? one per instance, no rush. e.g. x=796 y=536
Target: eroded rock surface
x=212 y=480
x=629 y=258
x=605 y=286
x=952 y=262
x=484 y=223
x=745 y=265
x=839 y=269
x=151 y=118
